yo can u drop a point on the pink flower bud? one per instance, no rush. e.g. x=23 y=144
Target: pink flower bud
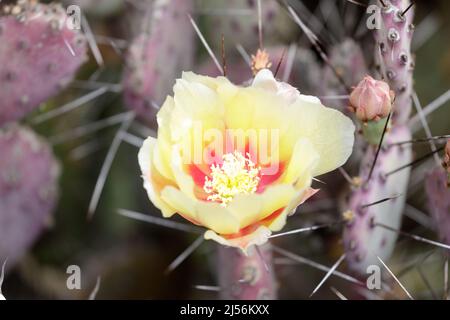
x=371 y=99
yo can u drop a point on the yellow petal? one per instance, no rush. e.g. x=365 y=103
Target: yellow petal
x=180 y=202
x=182 y=178
x=258 y=237
x=197 y=100
x=212 y=83
x=329 y=131
x=255 y=108
x=145 y=163
x=279 y=222
x=302 y=163
x=217 y=218
x=252 y=208
x=208 y=214
x=277 y=197
x=161 y=158
x=246 y=208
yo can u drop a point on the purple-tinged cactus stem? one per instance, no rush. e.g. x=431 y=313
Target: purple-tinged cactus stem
x=363 y=240
x=246 y=277
x=39 y=55
x=157 y=56
x=393 y=53
x=28 y=190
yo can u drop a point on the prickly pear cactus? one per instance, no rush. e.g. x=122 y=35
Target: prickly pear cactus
x=39 y=55
x=28 y=189
x=363 y=239
x=325 y=54
x=157 y=56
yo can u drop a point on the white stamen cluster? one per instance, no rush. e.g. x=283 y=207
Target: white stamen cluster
x=237 y=175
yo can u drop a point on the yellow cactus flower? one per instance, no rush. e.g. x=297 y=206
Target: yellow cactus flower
x=239 y=160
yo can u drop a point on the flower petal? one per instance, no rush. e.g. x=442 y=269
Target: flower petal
x=217 y=218
x=330 y=132
x=152 y=187
x=258 y=237
x=302 y=163
x=264 y=79
x=212 y=83
x=161 y=158
x=182 y=178
x=179 y=201
x=280 y=221
x=246 y=208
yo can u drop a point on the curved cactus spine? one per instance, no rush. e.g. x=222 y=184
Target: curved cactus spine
x=157 y=56
x=28 y=189
x=246 y=277
x=39 y=55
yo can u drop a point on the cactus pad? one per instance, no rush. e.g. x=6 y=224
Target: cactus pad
x=363 y=240
x=156 y=58
x=28 y=189
x=39 y=55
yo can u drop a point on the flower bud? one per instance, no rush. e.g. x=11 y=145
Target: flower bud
x=260 y=61
x=371 y=99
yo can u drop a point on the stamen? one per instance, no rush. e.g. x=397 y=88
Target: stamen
x=237 y=175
